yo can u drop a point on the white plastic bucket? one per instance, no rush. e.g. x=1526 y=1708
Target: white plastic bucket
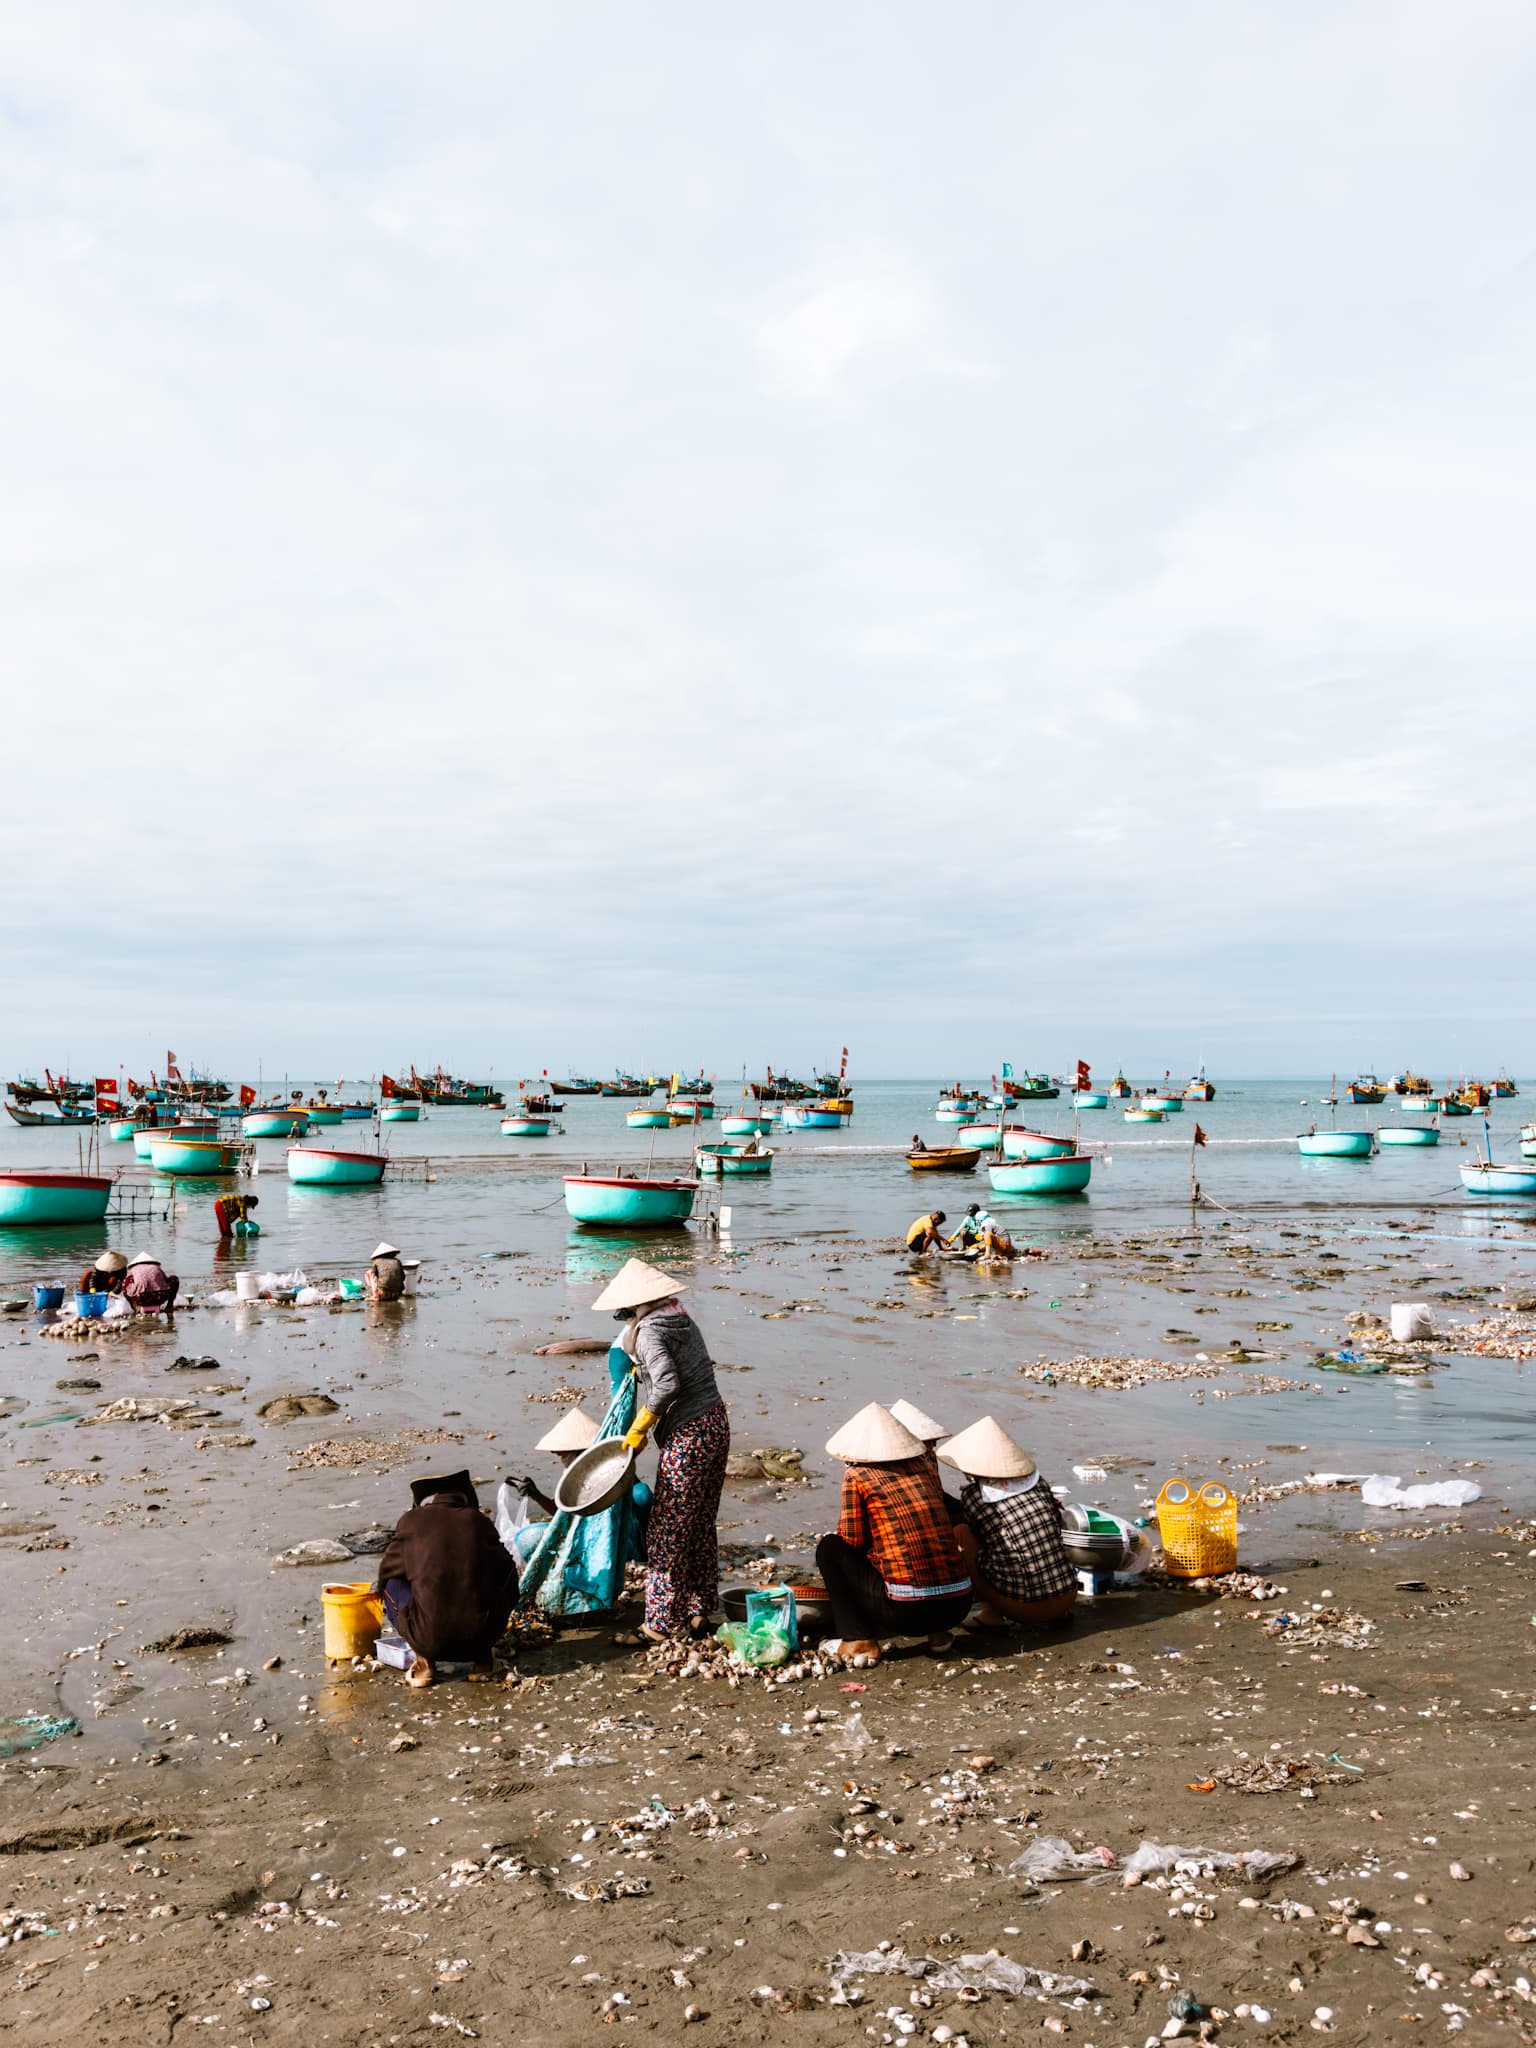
x=247 y=1286
x=1411 y=1320
x=412 y=1274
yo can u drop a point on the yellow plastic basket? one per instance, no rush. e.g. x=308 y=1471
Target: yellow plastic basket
x=1198 y=1528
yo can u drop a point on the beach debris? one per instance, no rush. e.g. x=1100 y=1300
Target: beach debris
x=195 y=1637
x=991 y=1971
x=1380 y=1491
x=185 y=1364
x=321 y=1551
x=1278 y=1772
x=1051 y=1859
x=342 y=1453
x=1321 y=1627
x=21 y=1732
x=369 y=1542
x=293 y=1407
x=1157 y=1859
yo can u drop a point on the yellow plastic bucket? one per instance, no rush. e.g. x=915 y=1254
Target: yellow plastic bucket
x=1198 y=1528
x=354 y=1616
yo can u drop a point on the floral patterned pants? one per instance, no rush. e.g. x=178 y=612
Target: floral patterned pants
x=682 y=1582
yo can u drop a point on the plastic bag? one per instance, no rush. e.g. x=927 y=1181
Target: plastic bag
x=775 y=1606
x=761 y=1646
x=511 y=1514
x=1384 y=1492
x=1051 y=1859
x=990 y=1972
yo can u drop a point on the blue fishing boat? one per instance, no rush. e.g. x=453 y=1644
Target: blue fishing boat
x=1022 y=1144
x=30 y=1199
x=525 y=1127
x=1089 y=1098
x=400 y=1113
x=357 y=1112
x=1061 y=1176
x=1450 y=1105
x=1408 y=1134
x=739 y=1160
x=319 y=1166
x=275 y=1123
x=1334 y=1144
x=616 y=1202
x=188 y=1158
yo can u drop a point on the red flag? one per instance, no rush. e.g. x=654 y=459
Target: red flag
x=1199 y=1135
x=1082 y=1074
x=247 y=1095
x=106 y=1095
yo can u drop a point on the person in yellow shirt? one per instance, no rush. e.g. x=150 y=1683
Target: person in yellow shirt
x=925 y=1234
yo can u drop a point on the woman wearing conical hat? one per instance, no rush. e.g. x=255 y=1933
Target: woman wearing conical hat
x=1011 y=1536
x=681 y=1403
x=894 y=1567
x=566 y=1439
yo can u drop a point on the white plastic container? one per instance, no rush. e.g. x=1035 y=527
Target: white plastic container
x=412 y=1274
x=1411 y=1321
x=248 y=1286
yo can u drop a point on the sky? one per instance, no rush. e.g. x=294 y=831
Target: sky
x=683 y=535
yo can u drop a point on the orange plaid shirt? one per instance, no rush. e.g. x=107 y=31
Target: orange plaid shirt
x=896 y=1515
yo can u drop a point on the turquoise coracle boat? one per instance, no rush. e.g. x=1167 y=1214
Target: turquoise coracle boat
x=980 y=1137
x=325 y=1112
x=318 y=1166
x=733 y=1159
x=121 y=1129
x=143 y=1139
x=1089 y=1098
x=649 y=1119
x=400 y=1113
x=30 y=1199
x=1170 y=1105
x=1334 y=1144
x=525 y=1127
x=275 y=1123
x=1489 y=1177
x=614 y=1202
x=1410 y=1134
x=1061 y=1176
x=1022 y=1144
x=745 y=1126
x=191 y=1157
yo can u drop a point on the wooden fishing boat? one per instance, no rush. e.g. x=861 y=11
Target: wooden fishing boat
x=1408 y=1134
x=733 y=1159
x=1143 y=1113
x=1089 y=1098
x=1504 y=1088
x=400 y=1113
x=1452 y=1105
x=578 y=1087
x=1021 y=1144
x=945 y=1159
x=1067 y=1175
x=1365 y=1088
x=28 y=1199
x=1199 y=1089
x=36 y=1119
x=275 y=1123
x=1119 y=1088
x=540 y=1105
x=317 y=1166
x=1475 y=1094
x=1409 y=1084
x=1334 y=1144
x=204 y=1128
x=191 y=1158
x=525 y=1126
x=616 y=1202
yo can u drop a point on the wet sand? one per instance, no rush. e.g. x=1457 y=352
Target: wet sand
x=220 y=1834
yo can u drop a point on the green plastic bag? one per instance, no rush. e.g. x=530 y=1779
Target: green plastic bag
x=760 y=1646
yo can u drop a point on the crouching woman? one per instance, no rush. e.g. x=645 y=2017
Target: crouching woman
x=448 y=1583
x=1010 y=1536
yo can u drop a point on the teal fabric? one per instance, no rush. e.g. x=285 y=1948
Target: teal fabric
x=574 y=1564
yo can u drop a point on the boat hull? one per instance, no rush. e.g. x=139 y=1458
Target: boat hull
x=192 y=1158
x=727 y=1159
x=745 y=1126
x=1419 y=1135
x=400 y=1113
x=325 y=1113
x=1036 y=1145
x=945 y=1159
x=980 y=1137
x=316 y=1166
x=649 y=1119
x=121 y=1129
x=1484 y=1179
x=616 y=1204
x=1089 y=1098
x=28 y=1200
x=956 y=1112
x=1063 y=1176
x=1335 y=1145
x=1143 y=1116
x=275 y=1123
x=1170 y=1105
x=525 y=1127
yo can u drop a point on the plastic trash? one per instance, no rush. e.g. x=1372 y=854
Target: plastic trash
x=1051 y=1859
x=762 y=1646
x=1158 y=1856
x=1412 y=1321
x=20 y=1732
x=511 y=1514
x=774 y=1606
x=990 y=1972
x=1381 y=1491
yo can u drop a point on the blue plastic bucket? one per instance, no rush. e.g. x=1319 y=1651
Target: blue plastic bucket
x=47 y=1297
x=92 y=1305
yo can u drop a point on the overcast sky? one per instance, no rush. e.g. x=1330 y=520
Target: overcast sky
x=626 y=535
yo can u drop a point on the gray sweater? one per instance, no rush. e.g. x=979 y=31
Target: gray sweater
x=678 y=1372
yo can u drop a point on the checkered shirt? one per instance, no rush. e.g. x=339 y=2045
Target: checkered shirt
x=1019 y=1542
x=896 y=1515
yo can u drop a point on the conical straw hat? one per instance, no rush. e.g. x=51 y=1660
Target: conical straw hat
x=874 y=1437
x=111 y=1262
x=636 y=1285
x=573 y=1432
x=987 y=1451
x=920 y=1424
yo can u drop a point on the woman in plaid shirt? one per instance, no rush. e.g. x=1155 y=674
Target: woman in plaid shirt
x=894 y=1566
x=1011 y=1536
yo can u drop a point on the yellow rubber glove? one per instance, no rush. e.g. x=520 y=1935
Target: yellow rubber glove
x=643 y=1424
